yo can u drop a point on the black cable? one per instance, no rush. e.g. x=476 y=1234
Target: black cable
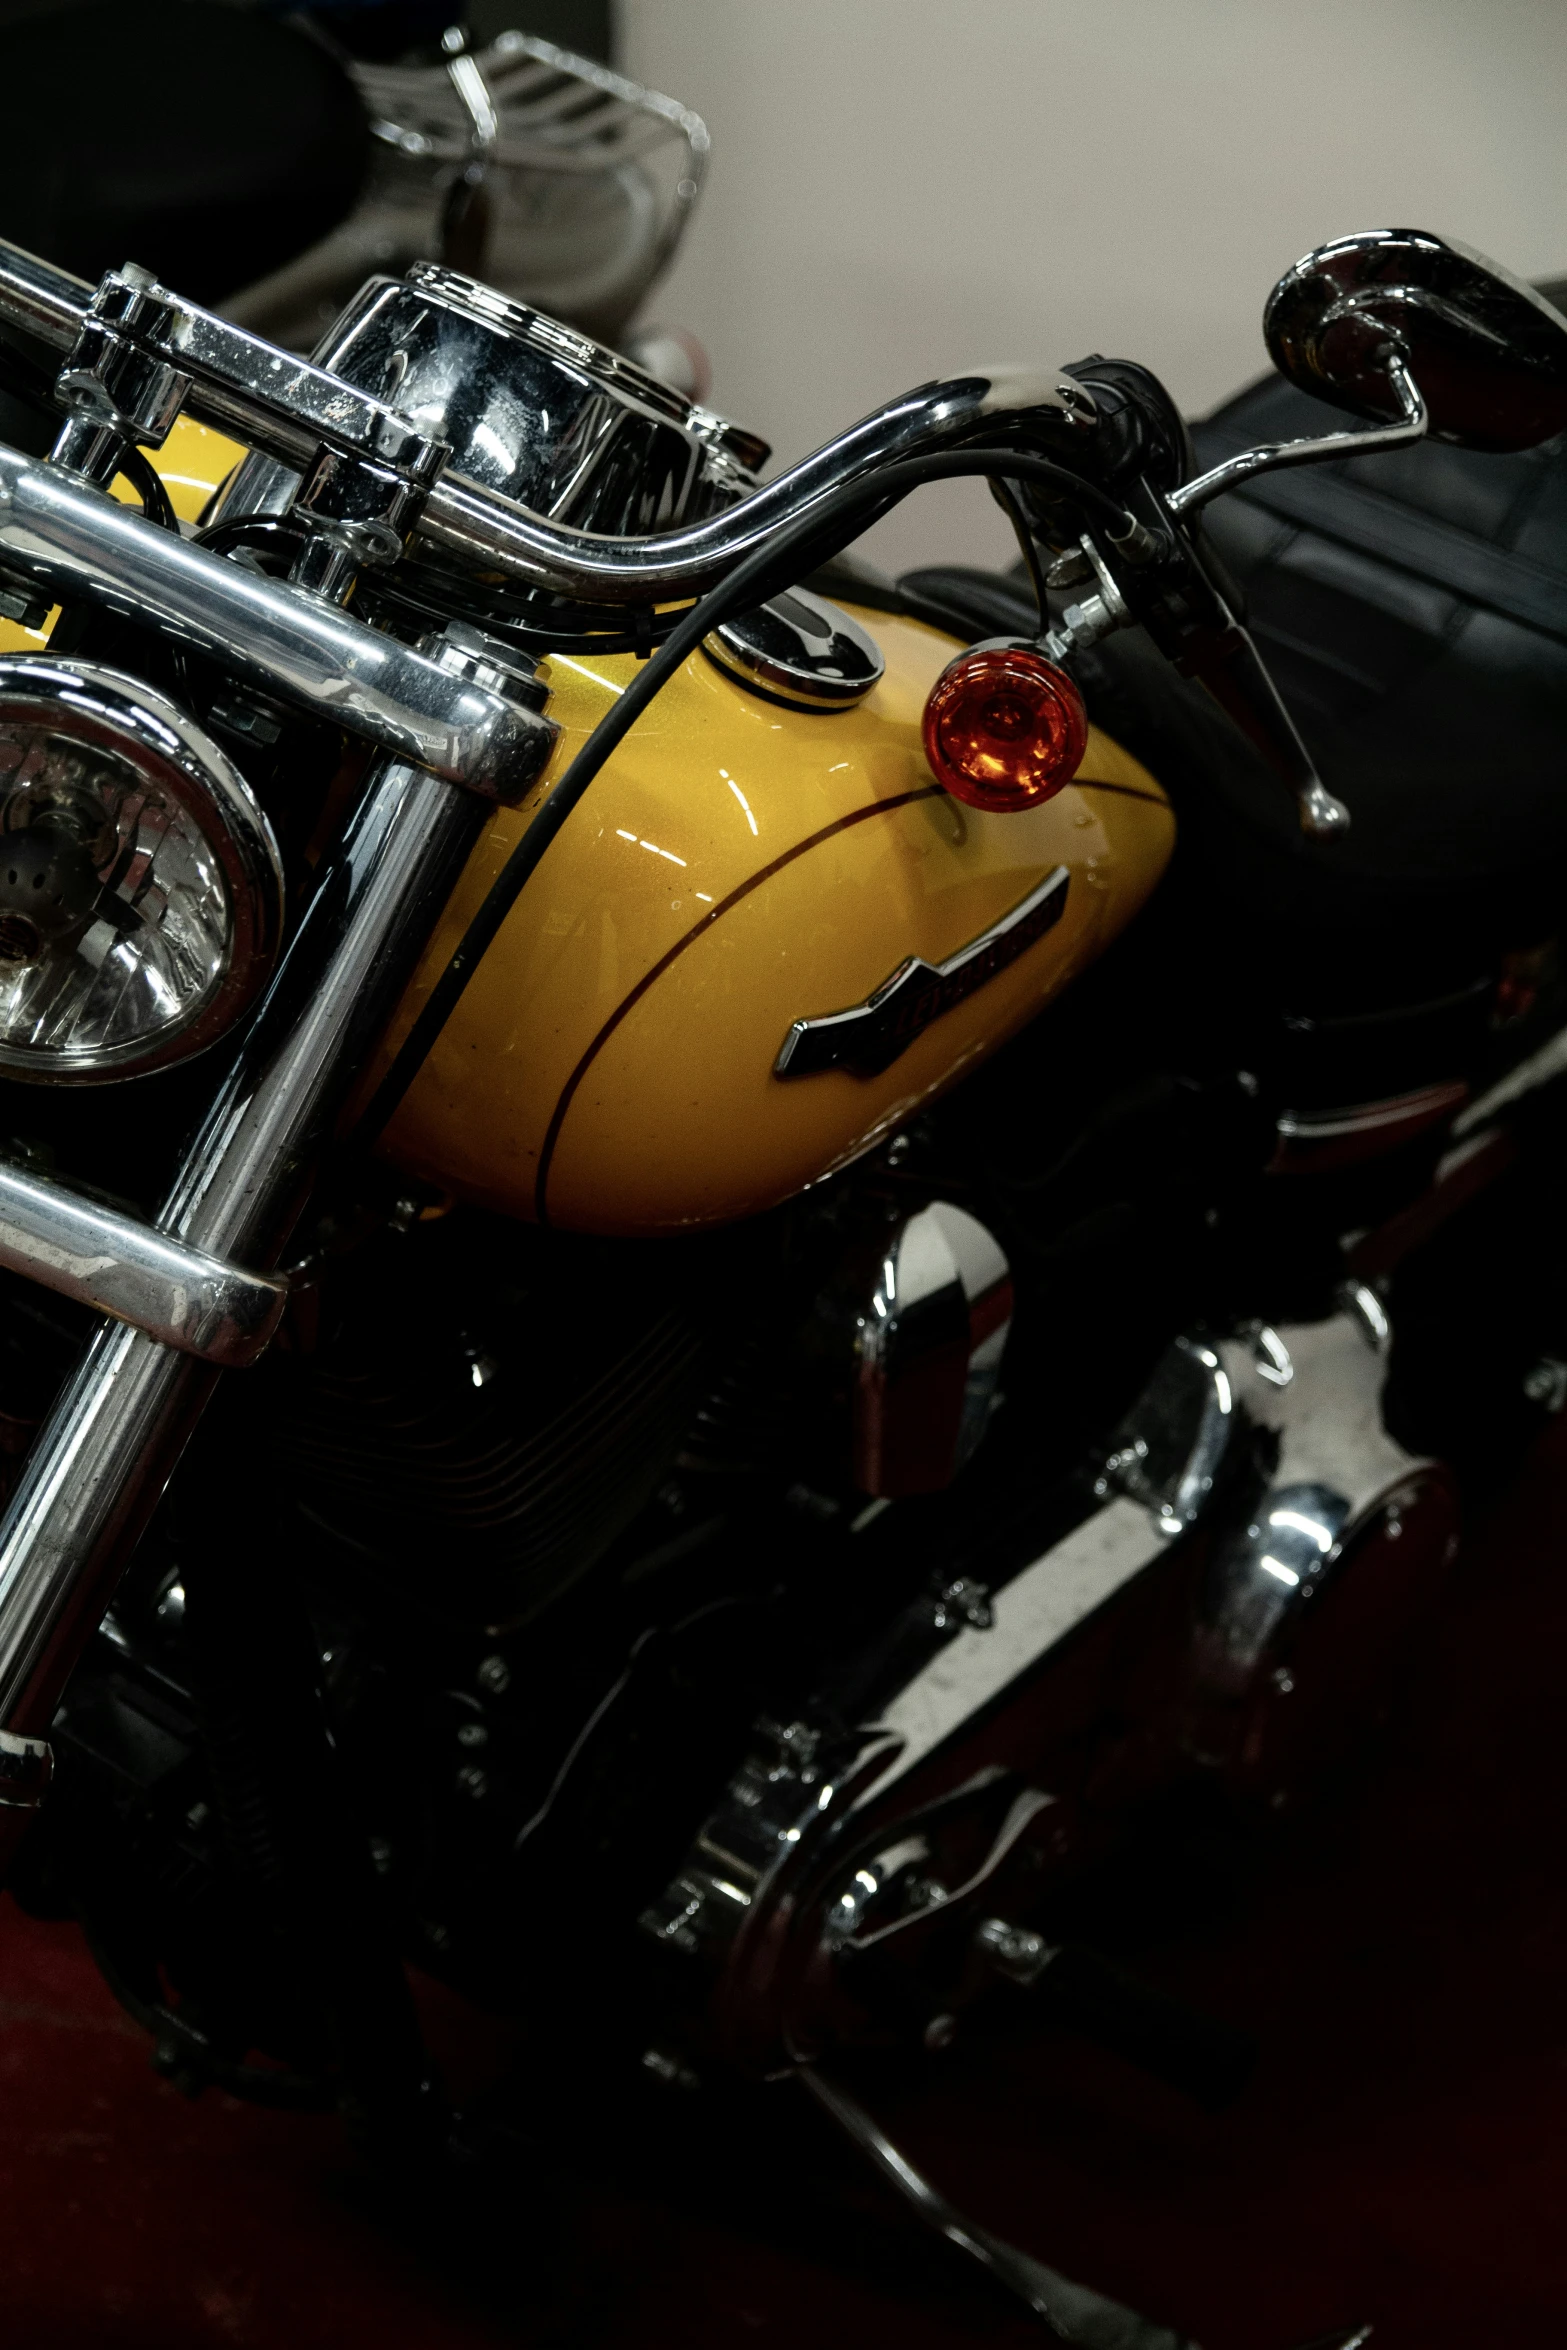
x=144 y=480
x=429 y=603
x=282 y=532
x=1011 y=507
x=793 y=551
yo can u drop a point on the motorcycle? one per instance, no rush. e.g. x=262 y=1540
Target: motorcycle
x=791 y=1382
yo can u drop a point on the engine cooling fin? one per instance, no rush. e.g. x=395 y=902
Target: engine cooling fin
x=485 y=1443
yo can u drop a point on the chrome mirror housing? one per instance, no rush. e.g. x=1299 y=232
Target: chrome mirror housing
x=1488 y=353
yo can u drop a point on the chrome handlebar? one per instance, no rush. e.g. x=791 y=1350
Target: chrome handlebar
x=42 y=301
x=285 y=407
x=1002 y=408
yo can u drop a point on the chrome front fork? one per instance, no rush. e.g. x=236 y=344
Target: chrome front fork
x=111 y=1442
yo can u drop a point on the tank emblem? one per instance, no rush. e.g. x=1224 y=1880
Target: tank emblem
x=867 y=1038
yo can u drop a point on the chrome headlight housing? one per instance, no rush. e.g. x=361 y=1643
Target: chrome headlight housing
x=141 y=890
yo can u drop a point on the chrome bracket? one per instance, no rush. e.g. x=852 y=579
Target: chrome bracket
x=140 y=350
x=71 y=542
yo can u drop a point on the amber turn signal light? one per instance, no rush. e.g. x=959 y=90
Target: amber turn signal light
x=1004 y=728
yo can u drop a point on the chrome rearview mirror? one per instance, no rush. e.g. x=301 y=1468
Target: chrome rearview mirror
x=1418 y=334
x=1488 y=353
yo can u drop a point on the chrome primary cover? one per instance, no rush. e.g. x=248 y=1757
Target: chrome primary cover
x=536 y=411
x=896 y=1808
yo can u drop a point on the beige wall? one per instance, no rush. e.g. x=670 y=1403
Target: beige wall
x=903 y=186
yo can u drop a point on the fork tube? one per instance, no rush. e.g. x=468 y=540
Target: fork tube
x=111 y=1442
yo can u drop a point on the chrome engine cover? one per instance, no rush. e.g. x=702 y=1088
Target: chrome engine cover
x=1259 y=1467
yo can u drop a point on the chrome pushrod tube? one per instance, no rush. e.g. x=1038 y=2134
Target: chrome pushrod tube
x=1038 y=410
x=104 y=1258
x=116 y=1431
x=75 y=543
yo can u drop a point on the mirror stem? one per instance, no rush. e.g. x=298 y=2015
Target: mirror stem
x=1275 y=454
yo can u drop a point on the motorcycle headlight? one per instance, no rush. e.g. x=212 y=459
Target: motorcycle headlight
x=141 y=891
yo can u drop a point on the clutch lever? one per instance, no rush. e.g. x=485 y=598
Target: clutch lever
x=1234 y=672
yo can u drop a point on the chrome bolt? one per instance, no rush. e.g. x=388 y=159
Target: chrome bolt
x=1014 y=1951
x=1547 y=1383
x=472 y=1781
x=668 y=2068
x=494 y=1674
x=964 y=1602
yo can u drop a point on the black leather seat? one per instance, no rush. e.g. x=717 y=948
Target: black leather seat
x=207 y=142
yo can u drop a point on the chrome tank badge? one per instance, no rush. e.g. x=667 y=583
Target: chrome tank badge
x=867 y=1038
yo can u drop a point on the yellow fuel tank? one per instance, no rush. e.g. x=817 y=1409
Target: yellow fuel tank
x=736 y=869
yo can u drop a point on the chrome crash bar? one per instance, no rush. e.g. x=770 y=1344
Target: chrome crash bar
x=71 y=542
x=280 y=404
x=101 y=1257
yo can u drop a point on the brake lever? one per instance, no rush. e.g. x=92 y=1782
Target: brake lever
x=1165 y=583
x=1234 y=672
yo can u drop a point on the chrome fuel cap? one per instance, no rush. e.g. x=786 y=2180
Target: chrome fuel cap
x=799 y=650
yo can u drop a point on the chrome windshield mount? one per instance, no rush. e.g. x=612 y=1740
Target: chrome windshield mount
x=190 y=361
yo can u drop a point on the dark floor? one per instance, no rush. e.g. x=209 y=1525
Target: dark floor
x=1402 y=2154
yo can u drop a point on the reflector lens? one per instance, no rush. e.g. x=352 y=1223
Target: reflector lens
x=1004 y=729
